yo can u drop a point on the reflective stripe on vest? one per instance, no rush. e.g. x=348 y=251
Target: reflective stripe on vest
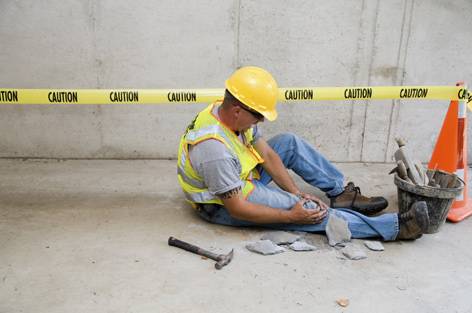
x=199 y=197
x=189 y=180
x=206 y=126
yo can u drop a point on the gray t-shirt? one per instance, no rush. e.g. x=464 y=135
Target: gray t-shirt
x=218 y=166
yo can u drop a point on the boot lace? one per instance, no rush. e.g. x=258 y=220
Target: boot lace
x=406 y=216
x=350 y=187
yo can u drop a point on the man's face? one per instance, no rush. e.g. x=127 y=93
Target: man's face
x=248 y=117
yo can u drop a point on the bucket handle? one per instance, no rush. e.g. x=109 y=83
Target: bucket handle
x=463 y=182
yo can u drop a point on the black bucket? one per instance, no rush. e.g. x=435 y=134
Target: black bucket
x=438 y=199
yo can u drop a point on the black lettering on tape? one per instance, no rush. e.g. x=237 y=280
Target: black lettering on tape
x=182 y=96
x=124 y=96
x=63 y=97
x=299 y=94
x=414 y=92
x=358 y=93
x=9 y=96
x=464 y=94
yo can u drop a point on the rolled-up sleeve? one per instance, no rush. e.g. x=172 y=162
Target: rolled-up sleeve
x=218 y=167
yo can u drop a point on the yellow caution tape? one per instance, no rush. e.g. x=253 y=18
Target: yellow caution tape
x=156 y=96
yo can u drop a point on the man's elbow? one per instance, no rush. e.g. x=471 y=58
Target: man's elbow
x=236 y=208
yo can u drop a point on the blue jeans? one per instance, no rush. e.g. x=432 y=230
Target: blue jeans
x=316 y=170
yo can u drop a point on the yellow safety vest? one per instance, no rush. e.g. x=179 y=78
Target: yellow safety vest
x=207 y=126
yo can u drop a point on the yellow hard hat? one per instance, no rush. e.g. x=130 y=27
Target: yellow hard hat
x=256 y=88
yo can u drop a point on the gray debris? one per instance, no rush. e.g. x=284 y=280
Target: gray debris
x=280 y=237
x=337 y=231
x=374 y=245
x=311 y=205
x=302 y=246
x=265 y=247
x=353 y=252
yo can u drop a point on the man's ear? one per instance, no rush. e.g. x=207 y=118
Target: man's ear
x=237 y=110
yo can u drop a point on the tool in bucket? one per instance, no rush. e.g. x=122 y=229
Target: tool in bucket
x=437 y=188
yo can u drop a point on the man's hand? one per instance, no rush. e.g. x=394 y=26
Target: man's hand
x=300 y=215
x=315 y=199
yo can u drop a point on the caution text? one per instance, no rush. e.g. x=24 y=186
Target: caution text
x=63 y=97
x=9 y=96
x=299 y=94
x=464 y=94
x=358 y=93
x=124 y=96
x=413 y=92
x=182 y=96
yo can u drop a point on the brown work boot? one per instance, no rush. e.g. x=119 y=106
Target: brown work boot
x=351 y=198
x=414 y=222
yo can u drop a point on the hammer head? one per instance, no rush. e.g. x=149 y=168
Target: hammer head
x=224 y=259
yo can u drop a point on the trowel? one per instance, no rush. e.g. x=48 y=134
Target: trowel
x=402 y=155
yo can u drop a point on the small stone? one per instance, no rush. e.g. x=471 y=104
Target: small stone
x=343 y=302
x=354 y=253
x=374 y=245
x=337 y=231
x=302 y=246
x=280 y=237
x=311 y=205
x=265 y=247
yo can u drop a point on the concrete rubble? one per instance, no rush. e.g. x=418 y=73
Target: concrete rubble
x=374 y=245
x=264 y=247
x=310 y=205
x=302 y=246
x=354 y=252
x=280 y=237
x=337 y=231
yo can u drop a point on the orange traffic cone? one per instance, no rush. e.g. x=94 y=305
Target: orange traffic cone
x=450 y=155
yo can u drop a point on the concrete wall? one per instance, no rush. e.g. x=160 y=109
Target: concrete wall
x=197 y=44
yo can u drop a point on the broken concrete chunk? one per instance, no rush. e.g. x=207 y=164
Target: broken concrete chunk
x=353 y=252
x=311 y=205
x=280 y=237
x=265 y=247
x=302 y=246
x=337 y=230
x=374 y=245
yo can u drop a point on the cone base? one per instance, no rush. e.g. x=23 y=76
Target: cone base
x=456 y=215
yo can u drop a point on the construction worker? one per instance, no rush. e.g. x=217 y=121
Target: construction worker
x=225 y=166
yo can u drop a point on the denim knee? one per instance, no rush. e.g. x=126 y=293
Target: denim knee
x=286 y=139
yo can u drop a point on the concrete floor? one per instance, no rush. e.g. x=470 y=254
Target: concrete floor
x=91 y=236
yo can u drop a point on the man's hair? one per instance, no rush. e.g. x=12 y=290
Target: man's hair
x=229 y=98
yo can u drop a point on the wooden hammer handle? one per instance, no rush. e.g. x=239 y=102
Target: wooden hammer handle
x=191 y=248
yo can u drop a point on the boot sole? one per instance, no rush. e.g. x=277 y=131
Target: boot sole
x=364 y=211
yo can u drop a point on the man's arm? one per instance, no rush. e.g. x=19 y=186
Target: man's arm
x=274 y=166
x=220 y=172
x=242 y=209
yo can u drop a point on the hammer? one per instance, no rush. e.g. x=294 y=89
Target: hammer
x=221 y=259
